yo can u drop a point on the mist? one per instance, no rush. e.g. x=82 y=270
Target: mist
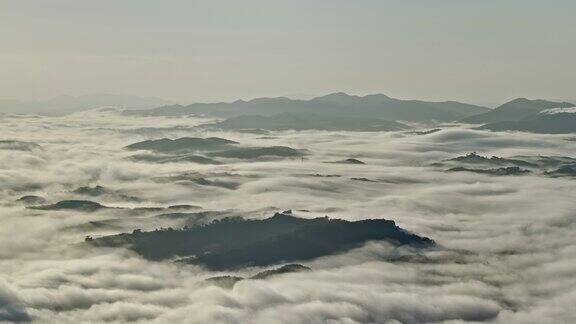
x=506 y=253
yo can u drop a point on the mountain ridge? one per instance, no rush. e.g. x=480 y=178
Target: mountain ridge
x=515 y=110
x=334 y=104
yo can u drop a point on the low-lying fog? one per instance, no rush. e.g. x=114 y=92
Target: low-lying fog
x=507 y=250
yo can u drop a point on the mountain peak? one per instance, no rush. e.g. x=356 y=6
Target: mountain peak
x=519 y=100
x=336 y=96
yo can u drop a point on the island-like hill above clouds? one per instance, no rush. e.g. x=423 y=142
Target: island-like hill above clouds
x=237 y=242
x=179 y=150
x=515 y=110
x=68 y=104
x=339 y=104
x=554 y=166
x=184 y=144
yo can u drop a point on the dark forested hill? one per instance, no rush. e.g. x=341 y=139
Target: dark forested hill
x=237 y=242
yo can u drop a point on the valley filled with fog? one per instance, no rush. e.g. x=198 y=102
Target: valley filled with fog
x=502 y=228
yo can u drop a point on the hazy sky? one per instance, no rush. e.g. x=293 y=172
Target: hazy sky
x=482 y=51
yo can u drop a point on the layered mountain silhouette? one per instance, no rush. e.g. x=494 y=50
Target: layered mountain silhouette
x=235 y=242
x=343 y=112
x=515 y=110
x=307 y=121
x=334 y=105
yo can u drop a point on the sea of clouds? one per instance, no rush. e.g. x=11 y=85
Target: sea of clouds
x=508 y=251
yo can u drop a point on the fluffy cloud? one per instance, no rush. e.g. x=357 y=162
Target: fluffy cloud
x=507 y=254
x=11 y=307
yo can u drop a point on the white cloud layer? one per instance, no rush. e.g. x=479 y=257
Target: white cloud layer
x=509 y=253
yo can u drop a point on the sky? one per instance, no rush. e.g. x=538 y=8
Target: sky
x=482 y=52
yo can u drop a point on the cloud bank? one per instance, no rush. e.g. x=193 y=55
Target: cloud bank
x=507 y=256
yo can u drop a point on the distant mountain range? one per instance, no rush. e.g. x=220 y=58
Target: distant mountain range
x=334 y=112
x=378 y=112
x=336 y=105
x=68 y=104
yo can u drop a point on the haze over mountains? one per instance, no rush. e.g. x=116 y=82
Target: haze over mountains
x=378 y=112
x=333 y=112
x=69 y=104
